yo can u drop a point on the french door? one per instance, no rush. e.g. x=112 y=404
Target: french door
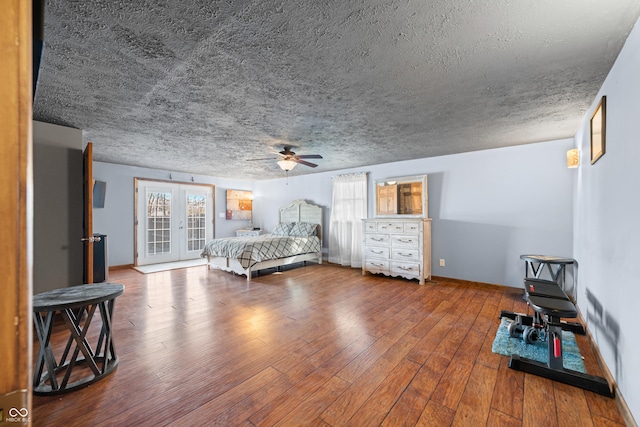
x=174 y=221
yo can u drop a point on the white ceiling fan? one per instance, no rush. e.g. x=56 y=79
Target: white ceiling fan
x=288 y=159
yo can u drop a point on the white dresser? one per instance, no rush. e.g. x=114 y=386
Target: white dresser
x=397 y=247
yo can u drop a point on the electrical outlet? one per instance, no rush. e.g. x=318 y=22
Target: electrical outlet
x=441 y=262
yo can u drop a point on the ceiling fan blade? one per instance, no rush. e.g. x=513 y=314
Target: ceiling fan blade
x=310 y=156
x=302 y=162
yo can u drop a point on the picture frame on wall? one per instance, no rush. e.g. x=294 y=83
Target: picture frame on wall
x=239 y=204
x=598 y=130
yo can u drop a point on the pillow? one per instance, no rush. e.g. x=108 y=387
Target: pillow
x=303 y=229
x=282 y=229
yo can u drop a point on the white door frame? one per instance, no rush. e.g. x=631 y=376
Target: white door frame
x=176 y=228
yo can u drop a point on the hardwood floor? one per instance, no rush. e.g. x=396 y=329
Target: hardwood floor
x=318 y=345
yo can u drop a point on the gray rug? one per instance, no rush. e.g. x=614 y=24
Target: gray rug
x=506 y=345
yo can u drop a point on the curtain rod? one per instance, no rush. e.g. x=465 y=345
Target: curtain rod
x=350 y=175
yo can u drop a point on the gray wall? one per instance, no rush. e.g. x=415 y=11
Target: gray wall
x=58 y=207
x=607 y=240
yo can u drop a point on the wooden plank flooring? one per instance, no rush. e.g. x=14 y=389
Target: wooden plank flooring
x=319 y=345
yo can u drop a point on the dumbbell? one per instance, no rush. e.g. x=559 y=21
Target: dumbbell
x=529 y=334
x=515 y=328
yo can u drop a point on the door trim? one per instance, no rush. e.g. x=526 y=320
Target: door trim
x=16 y=209
x=138 y=183
x=87 y=181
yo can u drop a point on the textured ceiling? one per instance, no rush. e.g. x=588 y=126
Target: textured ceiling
x=202 y=86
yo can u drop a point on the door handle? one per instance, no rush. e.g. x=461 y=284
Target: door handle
x=91 y=239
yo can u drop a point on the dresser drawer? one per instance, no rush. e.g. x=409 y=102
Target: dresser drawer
x=405 y=241
x=405 y=254
x=376 y=252
x=376 y=239
x=405 y=268
x=390 y=227
x=412 y=227
x=245 y=233
x=377 y=265
x=370 y=227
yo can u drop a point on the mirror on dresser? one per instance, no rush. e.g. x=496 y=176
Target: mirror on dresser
x=403 y=197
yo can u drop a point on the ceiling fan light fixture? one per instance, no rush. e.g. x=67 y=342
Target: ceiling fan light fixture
x=286 y=165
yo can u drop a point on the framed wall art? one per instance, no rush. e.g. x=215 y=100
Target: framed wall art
x=598 y=130
x=239 y=204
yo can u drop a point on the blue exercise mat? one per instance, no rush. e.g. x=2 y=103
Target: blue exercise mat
x=538 y=351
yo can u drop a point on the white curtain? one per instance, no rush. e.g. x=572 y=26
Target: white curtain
x=348 y=208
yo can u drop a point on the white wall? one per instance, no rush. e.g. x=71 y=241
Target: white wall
x=488 y=207
x=58 y=206
x=117 y=217
x=57 y=136
x=607 y=240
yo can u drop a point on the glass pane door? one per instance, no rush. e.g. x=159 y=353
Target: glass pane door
x=174 y=221
x=198 y=215
x=158 y=223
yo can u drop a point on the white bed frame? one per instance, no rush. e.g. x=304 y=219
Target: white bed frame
x=298 y=211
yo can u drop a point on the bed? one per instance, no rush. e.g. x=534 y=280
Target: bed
x=296 y=238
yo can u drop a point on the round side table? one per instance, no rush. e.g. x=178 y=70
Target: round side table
x=87 y=363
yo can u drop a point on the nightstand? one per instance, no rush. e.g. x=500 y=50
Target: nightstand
x=248 y=232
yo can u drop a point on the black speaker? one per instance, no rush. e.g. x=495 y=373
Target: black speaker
x=100 y=264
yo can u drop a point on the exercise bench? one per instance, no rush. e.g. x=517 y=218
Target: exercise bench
x=546 y=289
x=550 y=310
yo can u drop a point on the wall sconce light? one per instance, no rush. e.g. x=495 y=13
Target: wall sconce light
x=573 y=158
x=287 y=165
